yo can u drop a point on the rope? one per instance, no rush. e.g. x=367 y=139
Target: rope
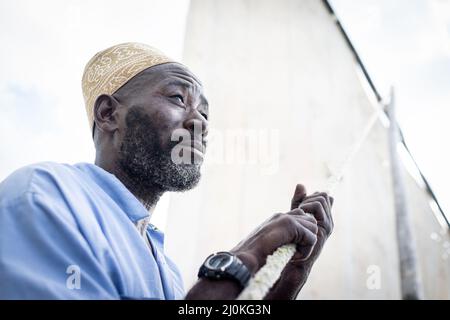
x=266 y=277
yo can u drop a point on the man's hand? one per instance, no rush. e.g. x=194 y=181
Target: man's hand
x=296 y=272
x=294 y=226
x=308 y=224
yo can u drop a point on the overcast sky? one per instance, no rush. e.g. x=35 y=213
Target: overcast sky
x=46 y=44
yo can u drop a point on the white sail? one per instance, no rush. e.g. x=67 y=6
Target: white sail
x=281 y=75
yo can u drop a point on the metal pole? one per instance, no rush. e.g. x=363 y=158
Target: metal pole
x=411 y=286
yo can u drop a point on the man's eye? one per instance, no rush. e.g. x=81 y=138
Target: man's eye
x=204 y=115
x=178 y=97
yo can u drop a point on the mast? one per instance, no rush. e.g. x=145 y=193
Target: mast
x=411 y=287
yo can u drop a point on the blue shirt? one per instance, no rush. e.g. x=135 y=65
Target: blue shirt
x=69 y=232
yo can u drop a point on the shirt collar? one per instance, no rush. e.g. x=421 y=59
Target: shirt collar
x=116 y=190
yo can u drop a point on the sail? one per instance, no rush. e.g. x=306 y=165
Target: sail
x=287 y=104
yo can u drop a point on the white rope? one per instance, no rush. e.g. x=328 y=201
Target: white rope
x=265 y=278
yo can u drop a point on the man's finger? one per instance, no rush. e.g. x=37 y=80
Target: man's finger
x=310 y=225
x=320 y=198
x=325 y=200
x=299 y=195
x=316 y=209
x=304 y=215
x=331 y=215
x=306 y=243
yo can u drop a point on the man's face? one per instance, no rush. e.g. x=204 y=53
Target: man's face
x=160 y=103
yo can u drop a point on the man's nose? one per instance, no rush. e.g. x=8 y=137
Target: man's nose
x=196 y=123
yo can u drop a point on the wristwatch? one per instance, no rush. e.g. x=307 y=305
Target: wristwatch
x=225 y=265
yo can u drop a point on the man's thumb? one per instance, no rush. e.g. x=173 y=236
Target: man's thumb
x=299 y=195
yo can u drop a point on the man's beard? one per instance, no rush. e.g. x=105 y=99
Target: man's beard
x=148 y=164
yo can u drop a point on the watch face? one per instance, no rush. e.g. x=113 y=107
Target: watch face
x=219 y=261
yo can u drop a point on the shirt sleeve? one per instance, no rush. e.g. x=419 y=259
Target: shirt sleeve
x=43 y=254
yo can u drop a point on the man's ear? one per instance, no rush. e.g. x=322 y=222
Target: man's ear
x=105 y=113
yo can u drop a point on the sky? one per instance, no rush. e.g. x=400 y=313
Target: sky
x=45 y=46
x=404 y=43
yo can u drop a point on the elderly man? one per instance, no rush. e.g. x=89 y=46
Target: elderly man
x=82 y=231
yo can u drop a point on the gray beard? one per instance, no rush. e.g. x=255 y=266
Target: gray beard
x=147 y=164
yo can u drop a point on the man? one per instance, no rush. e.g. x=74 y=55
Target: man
x=83 y=231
